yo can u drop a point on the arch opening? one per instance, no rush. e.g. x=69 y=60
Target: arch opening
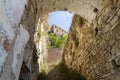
x=53 y=60
x=91 y=28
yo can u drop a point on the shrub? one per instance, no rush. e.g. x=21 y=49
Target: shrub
x=56 y=42
x=43 y=76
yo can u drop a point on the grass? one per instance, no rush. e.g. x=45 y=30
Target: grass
x=43 y=76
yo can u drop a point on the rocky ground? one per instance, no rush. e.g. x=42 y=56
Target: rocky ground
x=54 y=58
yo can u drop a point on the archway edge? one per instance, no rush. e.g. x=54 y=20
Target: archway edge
x=85 y=7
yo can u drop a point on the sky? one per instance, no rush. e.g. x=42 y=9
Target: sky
x=61 y=19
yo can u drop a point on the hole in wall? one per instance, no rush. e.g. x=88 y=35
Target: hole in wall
x=96 y=31
x=25 y=72
x=95 y=10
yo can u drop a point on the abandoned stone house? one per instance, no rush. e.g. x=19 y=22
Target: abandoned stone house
x=58 y=31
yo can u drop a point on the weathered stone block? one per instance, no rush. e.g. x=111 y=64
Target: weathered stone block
x=109 y=77
x=109 y=65
x=115 y=25
x=111 y=14
x=114 y=20
x=107 y=55
x=118 y=13
x=115 y=49
x=117 y=60
x=107 y=28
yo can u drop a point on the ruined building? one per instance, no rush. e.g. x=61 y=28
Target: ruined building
x=58 y=31
x=92 y=48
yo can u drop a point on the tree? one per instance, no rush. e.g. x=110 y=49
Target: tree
x=56 y=42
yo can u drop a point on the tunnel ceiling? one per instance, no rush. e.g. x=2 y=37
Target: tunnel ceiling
x=85 y=8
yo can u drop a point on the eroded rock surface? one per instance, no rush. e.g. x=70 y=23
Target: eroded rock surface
x=13 y=38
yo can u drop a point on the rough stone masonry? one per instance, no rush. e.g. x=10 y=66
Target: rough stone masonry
x=94 y=49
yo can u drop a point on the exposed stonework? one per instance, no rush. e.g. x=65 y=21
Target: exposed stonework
x=93 y=49
x=85 y=8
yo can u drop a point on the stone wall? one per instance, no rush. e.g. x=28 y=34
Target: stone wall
x=41 y=44
x=85 y=8
x=93 y=49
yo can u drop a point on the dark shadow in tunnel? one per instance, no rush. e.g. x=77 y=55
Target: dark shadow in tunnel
x=68 y=73
x=61 y=72
x=25 y=72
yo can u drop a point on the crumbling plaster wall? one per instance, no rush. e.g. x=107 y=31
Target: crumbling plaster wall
x=13 y=38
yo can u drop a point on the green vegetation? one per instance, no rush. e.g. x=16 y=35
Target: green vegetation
x=43 y=76
x=39 y=31
x=56 y=42
x=42 y=70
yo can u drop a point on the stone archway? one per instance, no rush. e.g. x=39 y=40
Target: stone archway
x=96 y=56
x=86 y=9
x=102 y=19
